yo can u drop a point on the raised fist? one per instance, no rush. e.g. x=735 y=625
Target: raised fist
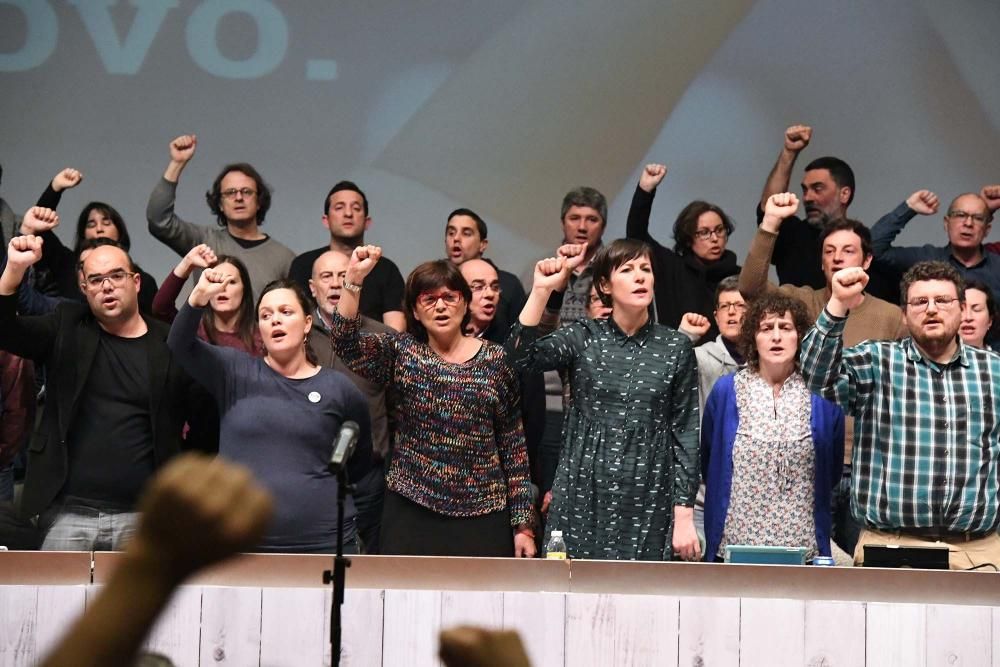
x=848 y=286
x=66 y=179
x=363 y=260
x=779 y=206
x=651 y=176
x=573 y=253
x=38 y=219
x=551 y=274
x=182 y=148
x=991 y=195
x=201 y=256
x=695 y=325
x=923 y=202
x=23 y=251
x=797 y=137
x=211 y=282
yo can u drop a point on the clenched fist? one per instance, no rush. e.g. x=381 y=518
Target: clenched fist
x=651 y=176
x=923 y=202
x=66 y=179
x=797 y=137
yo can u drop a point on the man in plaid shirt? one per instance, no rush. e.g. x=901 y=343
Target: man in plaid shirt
x=927 y=433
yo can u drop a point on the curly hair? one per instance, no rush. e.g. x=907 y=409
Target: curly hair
x=930 y=270
x=771 y=303
x=214 y=196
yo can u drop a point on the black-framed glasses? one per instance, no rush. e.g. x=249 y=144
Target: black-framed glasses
x=738 y=306
x=719 y=232
x=962 y=216
x=232 y=192
x=116 y=277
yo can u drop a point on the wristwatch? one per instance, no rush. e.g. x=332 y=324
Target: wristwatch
x=351 y=287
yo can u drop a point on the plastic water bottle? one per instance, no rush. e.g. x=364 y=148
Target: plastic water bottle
x=556 y=547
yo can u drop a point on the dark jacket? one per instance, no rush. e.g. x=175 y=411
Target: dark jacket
x=66 y=342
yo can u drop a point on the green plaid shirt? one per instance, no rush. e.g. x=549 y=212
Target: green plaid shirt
x=926 y=436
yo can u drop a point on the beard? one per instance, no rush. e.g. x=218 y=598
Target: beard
x=936 y=340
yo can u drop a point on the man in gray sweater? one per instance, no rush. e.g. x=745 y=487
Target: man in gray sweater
x=239 y=198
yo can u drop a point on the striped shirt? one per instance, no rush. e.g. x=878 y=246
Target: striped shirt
x=926 y=436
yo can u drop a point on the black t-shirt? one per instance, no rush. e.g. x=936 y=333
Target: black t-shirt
x=383 y=288
x=797 y=256
x=111 y=440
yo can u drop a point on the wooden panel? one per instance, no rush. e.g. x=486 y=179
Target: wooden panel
x=18 y=617
x=177 y=633
x=44 y=567
x=772 y=632
x=896 y=635
x=412 y=624
x=540 y=619
x=481 y=608
x=58 y=608
x=709 y=632
x=363 y=624
x=834 y=632
x=959 y=636
x=621 y=630
x=292 y=627
x=230 y=626
x=996 y=636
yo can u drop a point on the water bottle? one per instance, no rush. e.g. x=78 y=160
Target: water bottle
x=556 y=547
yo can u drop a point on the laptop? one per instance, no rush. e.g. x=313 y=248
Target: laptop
x=894 y=555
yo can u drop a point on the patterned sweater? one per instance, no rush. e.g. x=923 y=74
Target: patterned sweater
x=458 y=445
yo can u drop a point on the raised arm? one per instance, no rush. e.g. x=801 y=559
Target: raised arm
x=164 y=224
x=28 y=337
x=66 y=179
x=888 y=227
x=796 y=138
x=753 y=275
x=164 y=308
x=637 y=225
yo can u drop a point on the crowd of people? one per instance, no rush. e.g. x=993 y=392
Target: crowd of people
x=650 y=401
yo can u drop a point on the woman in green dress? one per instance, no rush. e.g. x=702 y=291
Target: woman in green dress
x=628 y=470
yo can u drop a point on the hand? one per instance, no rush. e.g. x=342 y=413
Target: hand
x=550 y=274
x=23 y=251
x=651 y=176
x=797 y=137
x=778 y=207
x=524 y=545
x=182 y=148
x=468 y=646
x=363 y=260
x=546 y=502
x=686 y=544
x=200 y=256
x=38 y=219
x=991 y=194
x=923 y=202
x=847 y=286
x=695 y=325
x=198 y=511
x=573 y=253
x=211 y=282
x=66 y=179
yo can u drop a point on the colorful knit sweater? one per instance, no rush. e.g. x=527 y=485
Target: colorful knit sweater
x=458 y=445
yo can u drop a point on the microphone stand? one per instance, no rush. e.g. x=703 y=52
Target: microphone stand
x=340 y=565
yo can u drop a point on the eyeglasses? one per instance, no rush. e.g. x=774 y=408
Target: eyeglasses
x=920 y=304
x=232 y=192
x=738 y=306
x=704 y=234
x=962 y=216
x=450 y=299
x=478 y=287
x=117 y=278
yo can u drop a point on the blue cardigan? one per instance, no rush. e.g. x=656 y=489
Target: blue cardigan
x=718 y=432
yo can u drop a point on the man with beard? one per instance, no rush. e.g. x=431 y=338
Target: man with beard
x=927 y=418
x=827 y=191
x=326 y=284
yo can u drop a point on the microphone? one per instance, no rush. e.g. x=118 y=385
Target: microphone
x=343 y=446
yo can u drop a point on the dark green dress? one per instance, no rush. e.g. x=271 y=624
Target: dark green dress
x=630 y=436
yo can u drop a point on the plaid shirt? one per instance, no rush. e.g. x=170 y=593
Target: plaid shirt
x=926 y=436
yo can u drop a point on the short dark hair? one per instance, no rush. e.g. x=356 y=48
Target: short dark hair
x=116 y=219
x=727 y=284
x=991 y=303
x=849 y=225
x=304 y=299
x=686 y=224
x=480 y=224
x=609 y=257
x=840 y=172
x=350 y=186
x=930 y=270
x=585 y=196
x=247 y=321
x=770 y=303
x=214 y=196
x=428 y=276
